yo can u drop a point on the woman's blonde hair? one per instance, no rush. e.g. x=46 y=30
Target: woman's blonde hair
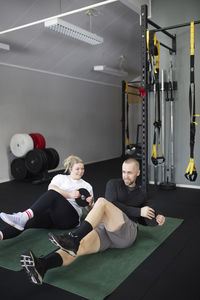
x=70 y=161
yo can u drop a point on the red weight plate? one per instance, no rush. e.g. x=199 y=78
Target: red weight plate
x=38 y=140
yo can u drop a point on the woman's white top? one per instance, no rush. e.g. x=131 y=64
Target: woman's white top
x=65 y=182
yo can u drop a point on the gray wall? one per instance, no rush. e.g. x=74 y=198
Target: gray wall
x=75 y=116
x=167 y=13
x=135 y=118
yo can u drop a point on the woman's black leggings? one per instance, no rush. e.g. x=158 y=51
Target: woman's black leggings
x=51 y=210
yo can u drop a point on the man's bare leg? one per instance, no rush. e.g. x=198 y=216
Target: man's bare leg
x=88 y=245
x=102 y=210
x=105 y=211
x=37 y=267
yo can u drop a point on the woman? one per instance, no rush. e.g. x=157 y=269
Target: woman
x=57 y=208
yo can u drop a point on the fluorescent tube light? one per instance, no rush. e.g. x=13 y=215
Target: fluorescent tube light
x=67 y=13
x=110 y=71
x=4 y=46
x=73 y=31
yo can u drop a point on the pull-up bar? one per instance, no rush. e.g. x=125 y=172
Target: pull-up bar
x=163 y=30
x=173 y=27
x=160 y=29
x=173 y=37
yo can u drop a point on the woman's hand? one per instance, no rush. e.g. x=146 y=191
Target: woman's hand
x=160 y=219
x=75 y=194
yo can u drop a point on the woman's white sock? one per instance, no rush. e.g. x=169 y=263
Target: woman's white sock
x=1 y=235
x=28 y=214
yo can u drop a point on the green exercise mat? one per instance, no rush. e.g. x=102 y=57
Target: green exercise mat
x=92 y=276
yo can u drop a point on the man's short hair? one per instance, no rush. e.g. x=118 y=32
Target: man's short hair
x=132 y=160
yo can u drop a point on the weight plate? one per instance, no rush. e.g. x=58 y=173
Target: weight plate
x=38 y=140
x=36 y=161
x=18 y=169
x=21 y=144
x=52 y=157
x=82 y=200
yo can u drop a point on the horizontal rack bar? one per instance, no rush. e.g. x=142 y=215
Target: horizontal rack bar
x=160 y=29
x=175 y=26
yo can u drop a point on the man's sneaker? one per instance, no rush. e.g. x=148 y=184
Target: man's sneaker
x=67 y=242
x=33 y=266
x=16 y=220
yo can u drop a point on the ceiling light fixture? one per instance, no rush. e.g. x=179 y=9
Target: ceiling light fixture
x=59 y=16
x=110 y=71
x=73 y=31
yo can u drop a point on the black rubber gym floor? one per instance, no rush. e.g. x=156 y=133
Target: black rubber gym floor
x=170 y=272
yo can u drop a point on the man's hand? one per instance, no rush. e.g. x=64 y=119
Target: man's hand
x=160 y=219
x=147 y=212
x=89 y=200
x=90 y=203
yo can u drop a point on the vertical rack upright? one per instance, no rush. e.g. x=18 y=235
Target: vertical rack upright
x=144 y=73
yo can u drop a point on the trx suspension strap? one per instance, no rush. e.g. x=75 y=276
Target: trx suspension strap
x=191 y=172
x=157 y=156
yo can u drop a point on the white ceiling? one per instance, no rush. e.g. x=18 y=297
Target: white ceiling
x=39 y=48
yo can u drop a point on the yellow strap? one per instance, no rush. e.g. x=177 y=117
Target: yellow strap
x=127 y=142
x=154 y=152
x=191 y=167
x=192 y=38
x=196 y=122
x=157 y=45
x=147 y=37
x=154 y=38
x=158 y=56
x=127 y=87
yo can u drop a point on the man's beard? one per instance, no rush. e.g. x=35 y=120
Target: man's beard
x=129 y=182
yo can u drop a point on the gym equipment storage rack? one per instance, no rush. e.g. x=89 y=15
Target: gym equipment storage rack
x=145 y=84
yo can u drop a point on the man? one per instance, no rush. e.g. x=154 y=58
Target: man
x=112 y=223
